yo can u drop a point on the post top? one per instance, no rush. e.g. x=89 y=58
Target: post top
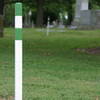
x=18 y=3
x=18 y=9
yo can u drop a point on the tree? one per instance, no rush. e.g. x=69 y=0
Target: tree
x=1 y=18
x=94 y=4
x=40 y=11
x=44 y=7
x=70 y=11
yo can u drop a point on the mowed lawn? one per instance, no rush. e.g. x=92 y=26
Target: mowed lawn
x=52 y=67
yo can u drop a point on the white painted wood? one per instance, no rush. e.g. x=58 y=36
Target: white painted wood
x=18 y=69
x=18 y=21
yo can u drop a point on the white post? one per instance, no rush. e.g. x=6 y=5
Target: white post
x=18 y=51
x=48 y=26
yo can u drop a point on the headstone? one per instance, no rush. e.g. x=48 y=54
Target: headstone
x=81 y=5
x=61 y=25
x=90 y=19
x=84 y=4
x=77 y=12
x=95 y=18
x=85 y=18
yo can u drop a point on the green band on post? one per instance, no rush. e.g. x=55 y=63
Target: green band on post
x=18 y=9
x=18 y=12
x=18 y=34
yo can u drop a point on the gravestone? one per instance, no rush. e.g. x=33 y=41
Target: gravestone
x=84 y=5
x=80 y=6
x=96 y=18
x=61 y=24
x=85 y=18
x=90 y=19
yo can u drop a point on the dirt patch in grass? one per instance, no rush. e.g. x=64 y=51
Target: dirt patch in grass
x=6 y=98
x=89 y=50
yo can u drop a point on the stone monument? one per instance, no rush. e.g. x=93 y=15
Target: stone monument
x=84 y=17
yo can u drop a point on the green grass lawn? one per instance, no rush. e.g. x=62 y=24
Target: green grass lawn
x=53 y=69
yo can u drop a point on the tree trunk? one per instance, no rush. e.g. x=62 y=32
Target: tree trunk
x=1 y=18
x=70 y=12
x=39 y=19
x=1 y=26
x=91 y=4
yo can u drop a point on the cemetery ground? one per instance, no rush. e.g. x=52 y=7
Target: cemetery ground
x=55 y=67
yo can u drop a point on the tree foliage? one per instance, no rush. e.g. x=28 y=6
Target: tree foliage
x=41 y=10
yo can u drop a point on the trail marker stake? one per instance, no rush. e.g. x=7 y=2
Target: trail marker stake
x=18 y=51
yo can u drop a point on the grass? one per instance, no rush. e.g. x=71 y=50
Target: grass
x=53 y=69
